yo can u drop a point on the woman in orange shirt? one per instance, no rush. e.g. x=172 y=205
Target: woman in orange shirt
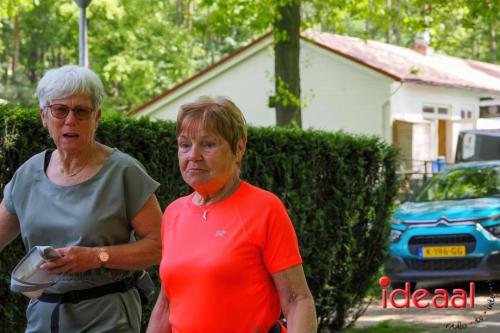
x=230 y=257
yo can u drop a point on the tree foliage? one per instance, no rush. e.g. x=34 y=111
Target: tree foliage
x=465 y=183
x=463 y=28
x=141 y=48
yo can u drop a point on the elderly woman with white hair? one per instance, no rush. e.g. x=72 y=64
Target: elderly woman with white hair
x=87 y=200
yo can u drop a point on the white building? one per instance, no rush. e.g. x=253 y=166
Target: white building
x=419 y=100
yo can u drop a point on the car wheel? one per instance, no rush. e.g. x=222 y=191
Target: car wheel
x=401 y=285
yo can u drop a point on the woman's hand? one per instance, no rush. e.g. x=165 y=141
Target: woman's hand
x=130 y=256
x=158 y=321
x=74 y=259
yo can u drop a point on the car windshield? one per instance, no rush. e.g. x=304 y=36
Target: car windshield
x=465 y=183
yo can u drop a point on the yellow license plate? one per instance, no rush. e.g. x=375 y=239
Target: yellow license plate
x=442 y=251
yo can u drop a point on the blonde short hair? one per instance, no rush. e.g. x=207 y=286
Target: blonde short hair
x=217 y=115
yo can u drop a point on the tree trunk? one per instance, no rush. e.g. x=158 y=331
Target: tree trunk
x=189 y=15
x=180 y=12
x=60 y=58
x=15 y=60
x=397 y=27
x=286 y=30
x=493 y=44
x=426 y=12
x=389 y=28
x=368 y=22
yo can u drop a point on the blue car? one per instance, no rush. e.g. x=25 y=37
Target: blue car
x=451 y=230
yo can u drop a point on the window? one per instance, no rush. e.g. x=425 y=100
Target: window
x=428 y=109
x=489 y=107
x=436 y=111
x=489 y=111
x=443 y=110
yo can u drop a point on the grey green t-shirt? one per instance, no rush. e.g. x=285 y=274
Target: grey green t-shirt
x=96 y=212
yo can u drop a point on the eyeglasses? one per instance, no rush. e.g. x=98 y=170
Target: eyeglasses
x=60 y=111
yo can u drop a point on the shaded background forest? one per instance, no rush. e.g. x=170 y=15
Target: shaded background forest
x=141 y=48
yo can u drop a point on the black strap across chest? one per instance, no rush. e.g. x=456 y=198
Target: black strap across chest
x=46 y=162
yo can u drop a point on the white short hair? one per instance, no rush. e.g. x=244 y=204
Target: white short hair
x=69 y=80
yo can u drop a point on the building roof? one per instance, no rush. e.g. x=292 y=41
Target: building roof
x=406 y=64
x=396 y=62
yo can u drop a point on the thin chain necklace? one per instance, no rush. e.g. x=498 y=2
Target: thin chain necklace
x=205 y=211
x=205 y=208
x=79 y=170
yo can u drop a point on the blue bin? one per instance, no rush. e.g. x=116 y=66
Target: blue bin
x=438 y=165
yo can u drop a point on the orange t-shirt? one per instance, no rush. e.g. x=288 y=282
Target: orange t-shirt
x=217 y=260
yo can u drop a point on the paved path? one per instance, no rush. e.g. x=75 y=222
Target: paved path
x=436 y=319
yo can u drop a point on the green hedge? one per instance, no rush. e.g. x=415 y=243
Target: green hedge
x=338 y=189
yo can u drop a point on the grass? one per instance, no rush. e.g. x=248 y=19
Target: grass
x=392 y=327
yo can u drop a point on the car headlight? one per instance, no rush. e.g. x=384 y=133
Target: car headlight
x=494 y=230
x=395 y=235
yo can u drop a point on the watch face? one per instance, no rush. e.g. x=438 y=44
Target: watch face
x=103 y=256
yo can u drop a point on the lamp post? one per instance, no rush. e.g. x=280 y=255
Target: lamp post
x=83 y=58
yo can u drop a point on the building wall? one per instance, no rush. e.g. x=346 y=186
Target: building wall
x=409 y=99
x=489 y=123
x=249 y=85
x=341 y=94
